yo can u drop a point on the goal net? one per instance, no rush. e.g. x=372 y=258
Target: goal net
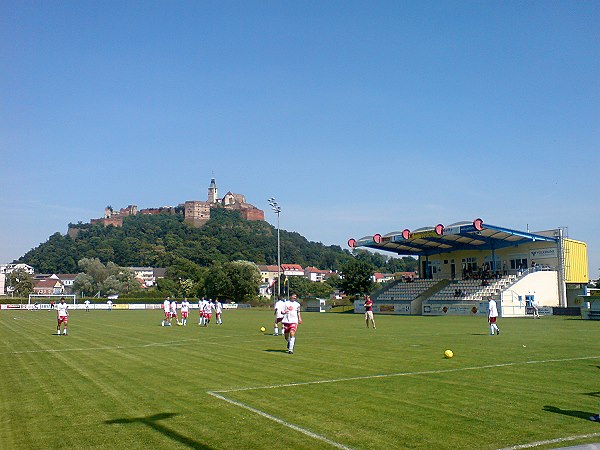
x=43 y=301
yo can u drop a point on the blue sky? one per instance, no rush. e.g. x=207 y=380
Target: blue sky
x=358 y=117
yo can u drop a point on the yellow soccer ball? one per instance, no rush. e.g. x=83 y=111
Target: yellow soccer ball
x=448 y=354
x=263 y=329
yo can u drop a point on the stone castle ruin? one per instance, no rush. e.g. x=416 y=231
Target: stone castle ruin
x=195 y=212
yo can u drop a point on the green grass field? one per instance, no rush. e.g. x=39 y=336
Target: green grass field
x=120 y=380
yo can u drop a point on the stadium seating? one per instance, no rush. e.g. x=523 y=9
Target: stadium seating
x=401 y=291
x=472 y=290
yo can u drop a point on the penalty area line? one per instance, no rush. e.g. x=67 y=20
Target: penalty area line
x=551 y=441
x=405 y=374
x=279 y=421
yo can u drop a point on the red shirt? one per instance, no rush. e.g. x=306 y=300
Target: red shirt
x=369 y=305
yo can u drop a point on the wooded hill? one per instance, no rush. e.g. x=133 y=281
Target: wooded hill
x=158 y=240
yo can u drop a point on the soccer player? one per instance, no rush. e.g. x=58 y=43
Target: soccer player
x=185 y=309
x=369 y=311
x=535 y=306
x=201 y=303
x=87 y=306
x=174 y=311
x=279 y=307
x=291 y=319
x=492 y=316
x=207 y=312
x=62 y=316
x=167 y=309
x=218 y=307
x=109 y=303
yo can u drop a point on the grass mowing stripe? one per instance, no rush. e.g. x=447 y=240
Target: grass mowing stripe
x=280 y=421
x=404 y=374
x=163 y=374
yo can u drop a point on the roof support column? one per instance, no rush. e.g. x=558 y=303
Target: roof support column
x=562 y=286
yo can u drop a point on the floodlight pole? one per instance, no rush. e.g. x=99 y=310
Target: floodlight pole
x=277 y=210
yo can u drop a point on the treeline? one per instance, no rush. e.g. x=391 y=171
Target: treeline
x=164 y=240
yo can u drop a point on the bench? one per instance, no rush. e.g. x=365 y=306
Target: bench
x=594 y=314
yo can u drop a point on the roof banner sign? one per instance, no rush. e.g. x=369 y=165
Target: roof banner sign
x=423 y=234
x=460 y=229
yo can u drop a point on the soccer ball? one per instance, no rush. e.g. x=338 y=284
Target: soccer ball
x=448 y=354
x=263 y=329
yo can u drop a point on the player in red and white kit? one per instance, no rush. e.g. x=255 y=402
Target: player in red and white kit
x=218 y=307
x=167 y=310
x=279 y=306
x=291 y=319
x=201 y=303
x=207 y=312
x=185 y=310
x=62 y=316
x=174 y=311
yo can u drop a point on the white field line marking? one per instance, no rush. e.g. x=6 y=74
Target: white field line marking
x=217 y=393
x=552 y=441
x=404 y=374
x=114 y=347
x=280 y=421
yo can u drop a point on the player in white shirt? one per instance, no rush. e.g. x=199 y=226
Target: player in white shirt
x=218 y=308
x=207 y=312
x=62 y=316
x=536 y=308
x=167 y=309
x=291 y=319
x=492 y=316
x=201 y=319
x=185 y=310
x=279 y=306
x=87 y=306
x=174 y=310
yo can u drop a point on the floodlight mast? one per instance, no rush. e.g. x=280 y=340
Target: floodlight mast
x=277 y=210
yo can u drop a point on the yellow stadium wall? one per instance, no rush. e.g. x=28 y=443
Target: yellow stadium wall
x=576 y=261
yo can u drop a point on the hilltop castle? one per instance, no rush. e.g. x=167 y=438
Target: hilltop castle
x=195 y=212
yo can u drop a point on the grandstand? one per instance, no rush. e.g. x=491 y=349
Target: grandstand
x=464 y=265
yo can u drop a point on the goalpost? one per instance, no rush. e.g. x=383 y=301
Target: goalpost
x=46 y=299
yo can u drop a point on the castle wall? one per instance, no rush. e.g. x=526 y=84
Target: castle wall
x=196 y=213
x=253 y=214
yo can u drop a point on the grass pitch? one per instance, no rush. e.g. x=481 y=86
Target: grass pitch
x=120 y=380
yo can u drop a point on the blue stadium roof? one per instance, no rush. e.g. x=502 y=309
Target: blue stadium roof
x=475 y=235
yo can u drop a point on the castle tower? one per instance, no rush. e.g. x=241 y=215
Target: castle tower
x=213 y=195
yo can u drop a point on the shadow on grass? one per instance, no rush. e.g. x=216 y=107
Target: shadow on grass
x=569 y=412
x=151 y=422
x=276 y=351
x=479 y=334
x=593 y=394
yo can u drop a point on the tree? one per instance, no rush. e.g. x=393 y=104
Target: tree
x=84 y=284
x=111 y=285
x=306 y=288
x=358 y=277
x=218 y=285
x=245 y=279
x=107 y=279
x=19 y=282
